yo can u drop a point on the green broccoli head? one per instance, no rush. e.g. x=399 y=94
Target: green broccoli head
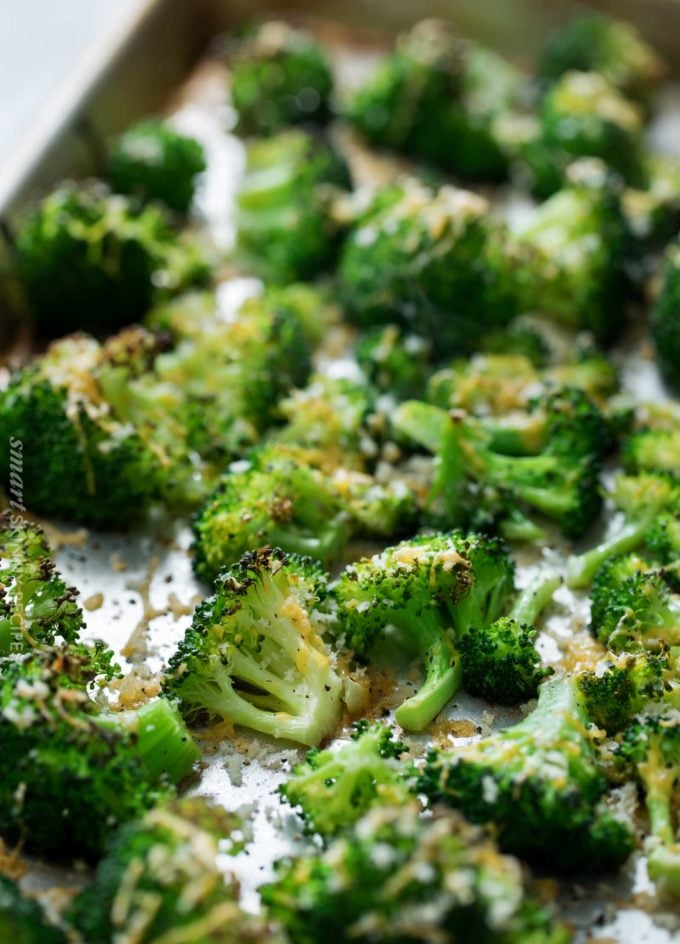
x=162 y=876
x=539 y=784
x=594 y=42
x=634 y=613
x=334 y=788
x=277 y=499
x=280 y=76
x=399 y=877
x=254 y=654
x=433 y=262
x=653 y=449
x=22 y=920
x=622 y=684
x=379 y=509
x=70 y=774
x=152 y=161
x=574 y=248
x=37 y=608
x=394 y=362
x=409 y=586
x=291 y=183
x=665 y=318
x=651 y=746
x=91 y=260
x=437 y=97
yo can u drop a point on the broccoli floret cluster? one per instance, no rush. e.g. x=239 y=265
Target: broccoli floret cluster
x=280 y=76
x=22 y=920
x=399 y=877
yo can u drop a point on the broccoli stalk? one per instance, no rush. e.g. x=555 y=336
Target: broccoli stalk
x=254 y=655
x=641 y=498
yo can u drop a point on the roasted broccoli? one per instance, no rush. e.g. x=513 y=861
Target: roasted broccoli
x=279 y=76
x=70 y=773
x=163 y=876
x=22 y=920
x=91 y=260
x=539 y=784
x=151 y=161
x=594 y=42
x=665 y=318
x=278 y=499
x=653 y=450
x=394 y=362
x=37 y=608
x=290 y=184
x=642 y=499
x=377 y=509
x=434 y=262
x=651 y=745
x=437 y=97
x=334 y=788
x=399 y=877
x=254 y=654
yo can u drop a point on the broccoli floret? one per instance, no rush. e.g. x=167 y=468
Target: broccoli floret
x=665 y=318
x=653 y=211
x=437 y=97
x=290 y=184
x=254 y=654
x=620 y=686
x=433 y=262
x=594 y=42
x=22 y=920
x=485 y=384
x=394 y=362
x=334 y=788
x=635 y=611
x=575 y=246
x=280 y=76
x=652 y=745
x=653 y=450
x=641 y=498
x=152 y=161
x=538 y=783
x=278 y=499
x=520 y=339
x=500 y=661
x=91 y=260
x=584 y=116
x=70 y=773
x=410 y=586
x=379 y=509
x=662 y=543
x=162 y=876
x=399 y=877
x=37 y=608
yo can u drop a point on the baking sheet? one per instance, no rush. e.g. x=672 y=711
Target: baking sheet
x=139 y=589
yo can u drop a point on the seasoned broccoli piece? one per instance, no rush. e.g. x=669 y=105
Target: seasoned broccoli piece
x=37 y=608
x=635 y=611
x=394 y=362
x=500 y=661
x=328 y=417
x=254 y=654
x=399 y=877
x=665 y=318
x=642 y=499
x=92 y=260
x=377 y=509
x=662 y=543
x=653 y=450
x=620 y=685
x=584 y=116
x=653 y=210
x=538 y=783
x=162 y=877
x=279 y=500
x=334 y=788
x=436 y=97
x=410 y=586
x=652 y=746
x=594 y=42
x=100 y=471
x=290 y=184
x=575 y=246
x=22 y=920
x=433 y=262
x=280 y=76
x=69 y=773
x=151 y=161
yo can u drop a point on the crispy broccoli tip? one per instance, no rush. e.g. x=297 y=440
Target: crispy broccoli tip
x=22 y=920
x=254 y=654
x=334 y=788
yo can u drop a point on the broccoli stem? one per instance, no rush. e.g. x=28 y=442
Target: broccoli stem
x=163 y=742
x=663 y=863
x=581 y=568
x=323 y=546
x=426 y=425
x=443 y=669
x=517 y=527
x=535 y=597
